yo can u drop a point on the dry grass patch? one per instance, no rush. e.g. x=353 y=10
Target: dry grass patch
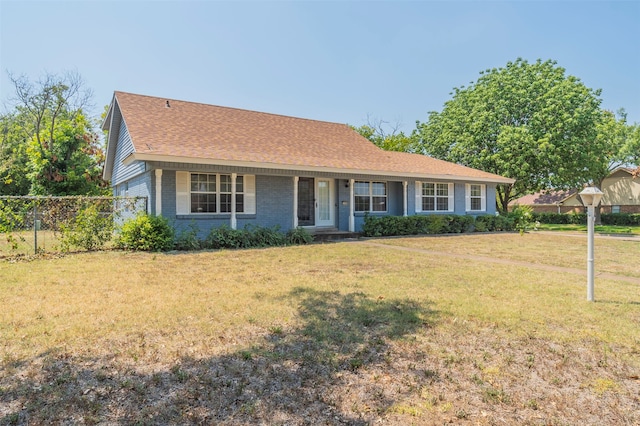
x=323 y=334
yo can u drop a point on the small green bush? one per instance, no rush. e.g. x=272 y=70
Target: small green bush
x=298 y=236
x=146 y=233
x=265 y=237
x=225 y=237
x=522 y=217
x=90 y=230
x=187 y=239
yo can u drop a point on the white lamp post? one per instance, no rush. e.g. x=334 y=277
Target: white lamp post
x=590 y=198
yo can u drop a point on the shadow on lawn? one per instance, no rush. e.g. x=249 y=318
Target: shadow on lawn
x=292 y=376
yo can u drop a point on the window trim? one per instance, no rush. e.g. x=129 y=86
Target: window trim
x=482 y=197
x=371 y=196
x=218 y=193
x=420 y=197
x=183 y=194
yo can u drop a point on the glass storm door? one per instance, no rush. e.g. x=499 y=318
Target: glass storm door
x=306 y=202
x=324 y=202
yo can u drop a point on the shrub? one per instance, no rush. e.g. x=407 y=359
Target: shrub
x=621 y=219
x=436 y=224
x=253 y=236
x=265 y=237
x=489 y=223
x=433 y=224
x=522 y=217
x=552 y=218
x=298 y=236
x=225 y=237
x=146 y=233
x=577 y=218
x=187 y=239
x=90 y=230
x=458 y=224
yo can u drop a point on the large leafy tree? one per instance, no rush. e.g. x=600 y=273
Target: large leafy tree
x=620 y=142
x=527 y=121
x=52 y=138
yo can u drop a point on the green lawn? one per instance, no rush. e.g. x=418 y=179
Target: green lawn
x=601 y=229
x=324 y=334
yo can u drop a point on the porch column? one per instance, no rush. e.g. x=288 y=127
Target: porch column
x=405 y=198
x=234 y=221
x=158 y=192
x=352 y=219
x=295 y=201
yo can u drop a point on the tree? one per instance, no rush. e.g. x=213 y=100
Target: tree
x=620 y=144
x=526 y=121
x=389 y=140
x=63 y=151
x=13 y=157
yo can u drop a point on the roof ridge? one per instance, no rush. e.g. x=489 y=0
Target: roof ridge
x=232 y=108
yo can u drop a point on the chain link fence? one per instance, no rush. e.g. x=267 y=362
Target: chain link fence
x=31 y=225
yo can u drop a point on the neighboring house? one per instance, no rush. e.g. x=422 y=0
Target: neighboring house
x=214 y=166
x=621 y=195
x=546 y=202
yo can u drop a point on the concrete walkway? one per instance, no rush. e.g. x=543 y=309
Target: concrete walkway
x=495 y=260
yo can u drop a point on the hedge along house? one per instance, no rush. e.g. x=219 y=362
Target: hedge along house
x=215 y=166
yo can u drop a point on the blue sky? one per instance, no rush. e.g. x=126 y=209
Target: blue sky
x=341 y=61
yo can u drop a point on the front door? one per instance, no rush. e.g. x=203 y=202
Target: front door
x=315 y=202
x=324 y=202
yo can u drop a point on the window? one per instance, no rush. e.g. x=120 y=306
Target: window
x=370 y=196
x=211 y=193
x=615 y=209
x=434 y=196
x=476 y=197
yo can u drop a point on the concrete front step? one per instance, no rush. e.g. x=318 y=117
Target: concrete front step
x=332 y=234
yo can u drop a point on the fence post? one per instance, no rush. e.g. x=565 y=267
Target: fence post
x=35 y=228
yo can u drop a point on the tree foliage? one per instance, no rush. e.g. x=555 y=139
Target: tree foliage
x=387 y=137
x=620 y=142
x=50 y=140
x=13 y=157
x=527 y=121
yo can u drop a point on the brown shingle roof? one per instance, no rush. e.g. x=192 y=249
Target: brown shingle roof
x=171 y=128
x=544 y=198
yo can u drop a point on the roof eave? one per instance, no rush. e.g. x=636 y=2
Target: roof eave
x=297 y=167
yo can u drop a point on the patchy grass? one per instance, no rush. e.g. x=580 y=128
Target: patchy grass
x=328 y=334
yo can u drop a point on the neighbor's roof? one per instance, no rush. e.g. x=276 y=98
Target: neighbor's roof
x=164 y=129
x=544 y=199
